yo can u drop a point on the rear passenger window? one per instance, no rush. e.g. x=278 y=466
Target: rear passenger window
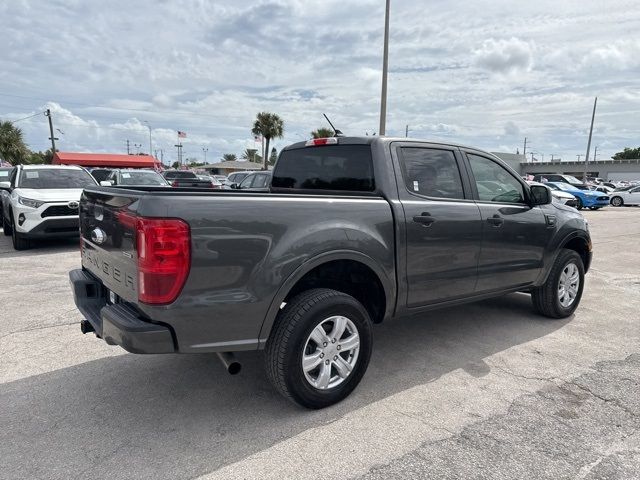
x=431 y=172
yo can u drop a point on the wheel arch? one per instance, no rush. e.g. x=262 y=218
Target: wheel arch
x=380 y=304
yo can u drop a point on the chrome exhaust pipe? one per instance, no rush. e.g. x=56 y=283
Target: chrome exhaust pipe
x=229 y=361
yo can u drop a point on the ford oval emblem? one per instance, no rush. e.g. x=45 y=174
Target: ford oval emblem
x=98 y=236
x=73 y=205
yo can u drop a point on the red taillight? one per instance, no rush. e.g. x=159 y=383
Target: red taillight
x=164 y=258
x=174 y=183
x=322 y=141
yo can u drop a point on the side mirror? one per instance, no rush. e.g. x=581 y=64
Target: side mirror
x=540 y=195
x=5 y=185
x=106 y=183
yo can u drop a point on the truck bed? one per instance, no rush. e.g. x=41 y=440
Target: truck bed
x=244 y=249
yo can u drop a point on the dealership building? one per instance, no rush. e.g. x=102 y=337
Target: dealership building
x=607 y=169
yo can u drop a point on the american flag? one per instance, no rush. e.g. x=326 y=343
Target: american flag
x=182 y=134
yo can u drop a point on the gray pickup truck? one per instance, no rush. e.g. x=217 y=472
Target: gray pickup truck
x=353 y=232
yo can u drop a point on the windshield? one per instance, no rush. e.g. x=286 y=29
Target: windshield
x=572 y=179
x=55 y=178
x=141 y=178
x=237 y=177
x=564 y=186
x=180 y=174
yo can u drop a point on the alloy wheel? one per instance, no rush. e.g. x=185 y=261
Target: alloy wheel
x=330 y=352
x=568 y=285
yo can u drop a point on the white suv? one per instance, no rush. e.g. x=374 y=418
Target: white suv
x=41 y=201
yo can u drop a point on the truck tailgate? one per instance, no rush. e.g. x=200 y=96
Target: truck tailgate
x=108 y=239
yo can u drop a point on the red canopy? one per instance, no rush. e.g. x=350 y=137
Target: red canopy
x=105 y=160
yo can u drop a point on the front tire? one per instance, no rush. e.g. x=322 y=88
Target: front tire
x=19 y=242
x=319 y=348
x=6 y=226
x=617 y=201
x=560 y=295
x=579 y=204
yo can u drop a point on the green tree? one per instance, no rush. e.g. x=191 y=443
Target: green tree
x=273 y=157
x=627 y=154
x=251 y=154
x=268 y=125
x=12 y=147
x=38 y=158
x=322 y=132
x=229 y=157
x=175 y=165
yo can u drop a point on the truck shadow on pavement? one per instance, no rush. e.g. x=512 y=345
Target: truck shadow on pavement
x=181 y=416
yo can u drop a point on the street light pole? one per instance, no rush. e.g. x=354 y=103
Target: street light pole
x=150 y=144
x=385 y=68
x=205 y=150
x=586 y=158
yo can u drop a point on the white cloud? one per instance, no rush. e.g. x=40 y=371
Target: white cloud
x=482 y=73
x=504 y=56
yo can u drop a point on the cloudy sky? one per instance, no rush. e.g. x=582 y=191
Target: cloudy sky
x=484 y=73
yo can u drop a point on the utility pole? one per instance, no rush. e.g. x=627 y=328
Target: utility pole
x=150 y=144
x=552 y=157
x=128 y=151
x=524 y=150
x=385 y=68
x=406 y=131
x=595 y=153
x=579 y=155
x=542 y=156
x=586 y=158
x=179 y=147
x=205 y=150
x=52 y=138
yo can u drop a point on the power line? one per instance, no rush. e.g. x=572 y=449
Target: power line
x=30 y=116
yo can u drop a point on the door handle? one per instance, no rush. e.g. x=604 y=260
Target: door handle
x=425 y=218
x=496 y=220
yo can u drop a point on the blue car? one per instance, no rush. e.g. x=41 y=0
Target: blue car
x=586 y=198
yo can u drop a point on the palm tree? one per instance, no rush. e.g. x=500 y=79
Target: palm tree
x=12 y=147
x=251 y=154
x=322 y=132
x=268 y=125
x=229 y=157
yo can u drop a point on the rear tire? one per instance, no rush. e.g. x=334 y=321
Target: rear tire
x=560 y=295
x=617 y=201
x=331 y=374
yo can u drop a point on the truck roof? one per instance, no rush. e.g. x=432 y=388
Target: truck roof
x=365 y=140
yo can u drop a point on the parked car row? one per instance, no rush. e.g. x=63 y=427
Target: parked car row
x=182 y=178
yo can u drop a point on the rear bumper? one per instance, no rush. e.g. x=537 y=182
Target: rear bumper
x=117 y=324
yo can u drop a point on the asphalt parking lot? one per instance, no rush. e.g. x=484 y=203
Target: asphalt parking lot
x=488 y=390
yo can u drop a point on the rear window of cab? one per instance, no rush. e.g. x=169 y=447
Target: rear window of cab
x=331 y=167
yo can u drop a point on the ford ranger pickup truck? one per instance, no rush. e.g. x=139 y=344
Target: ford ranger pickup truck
x=353 y=232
